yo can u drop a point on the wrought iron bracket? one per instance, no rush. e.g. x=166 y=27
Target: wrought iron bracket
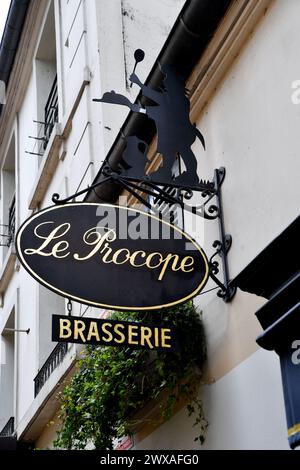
x=222 y=245
x=211 y=209
x=139 y=187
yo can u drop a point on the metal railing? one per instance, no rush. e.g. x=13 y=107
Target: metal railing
x=45 y=127
x=8 y=429
x=51 y=113
x=12 y=220
x=55 y=358
x=7 y=234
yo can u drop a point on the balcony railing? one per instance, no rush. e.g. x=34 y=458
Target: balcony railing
x=8 y=429
x=8 y=230
x=55 y=358
x=12 y=220
x=51 y=113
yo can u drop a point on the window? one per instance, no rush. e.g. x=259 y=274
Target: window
x=7 y=372
x=50 y=354
x=49 y=304
x=8 y=200
x=46 y=85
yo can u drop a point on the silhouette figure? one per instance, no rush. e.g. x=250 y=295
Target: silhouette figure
x=175 y=133
x=135 y=157
x=116 y=98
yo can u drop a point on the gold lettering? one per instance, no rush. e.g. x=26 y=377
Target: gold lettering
x=117 y=328
x=164 y=337
x=186 y=263
x=79 y=327
x=117 y=253
x=132 y=331
x=94 y=237
x=99 y=240
x=107 y=332
x=149 y=259
x=93 y=331
x=106 y=255
x=64 y=325
x=59 y=247
x=146 y=334
x=156 y=340
x=166 y=261
x=133 y=257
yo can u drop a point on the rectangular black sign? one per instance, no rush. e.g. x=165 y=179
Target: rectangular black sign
x=108 y=332
x=289 y=362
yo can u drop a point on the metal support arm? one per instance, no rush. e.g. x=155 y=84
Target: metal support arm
x=210 y=209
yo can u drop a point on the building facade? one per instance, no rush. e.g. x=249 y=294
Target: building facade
x=240 y=62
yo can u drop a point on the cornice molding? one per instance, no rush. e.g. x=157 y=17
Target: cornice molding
x=227 y=44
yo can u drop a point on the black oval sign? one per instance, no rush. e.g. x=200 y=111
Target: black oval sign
x=111 y=256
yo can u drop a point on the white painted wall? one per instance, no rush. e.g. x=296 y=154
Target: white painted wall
x=251 y=128
x=136 y=24
x=244 y=409
x=7 y=368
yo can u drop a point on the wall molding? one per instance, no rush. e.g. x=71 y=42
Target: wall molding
x=226 y=45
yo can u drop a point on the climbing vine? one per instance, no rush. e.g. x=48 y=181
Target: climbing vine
x=112 y=384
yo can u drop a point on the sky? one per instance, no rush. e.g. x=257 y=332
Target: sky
x=4 y=7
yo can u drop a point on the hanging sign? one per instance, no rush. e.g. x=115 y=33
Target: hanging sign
x=112 y=333
x=111 y=256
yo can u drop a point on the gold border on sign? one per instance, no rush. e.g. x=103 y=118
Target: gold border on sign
x=294 y=430
x=96 y=304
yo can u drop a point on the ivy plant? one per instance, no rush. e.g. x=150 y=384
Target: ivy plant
x=113 y=383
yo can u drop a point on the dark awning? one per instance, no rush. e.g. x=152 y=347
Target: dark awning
x=275 y=274
x=283 y=300
x=283 y=331
x=277 y=263
x=8 y=443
